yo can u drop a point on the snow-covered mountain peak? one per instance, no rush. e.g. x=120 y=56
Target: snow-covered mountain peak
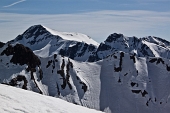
x=114 y=37
x=46 y=42
x=73 y=36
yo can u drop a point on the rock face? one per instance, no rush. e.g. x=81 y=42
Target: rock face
x=22 y=55
x=45 y=42
x=142 y=47
x=1 y=44
x=13 y=56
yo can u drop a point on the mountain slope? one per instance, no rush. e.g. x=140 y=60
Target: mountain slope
x=46 y=42
x=136 y=84
x=16 y=100
x=147 y=46
x=125 y=74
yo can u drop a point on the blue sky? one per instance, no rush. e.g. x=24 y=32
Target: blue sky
x=96 y=18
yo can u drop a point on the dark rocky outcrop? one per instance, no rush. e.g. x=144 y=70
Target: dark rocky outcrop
x=136 y=91
x=113 y=37
x=157 y=60
x=153 y=60
x=144 y=93
x=78 y=50
x=65 y=78
x=1 y=44
x=118 y=69
x=133 y=58
x=84 y=86
x=167 y=68
x=22 y=55
x=14 y=81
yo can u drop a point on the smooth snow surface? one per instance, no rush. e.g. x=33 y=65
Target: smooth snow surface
x=15 y=100
x=73 y=36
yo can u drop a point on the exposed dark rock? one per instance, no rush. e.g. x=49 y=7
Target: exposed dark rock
x=84 y=87
x=41 y=74
x=147 y=103
x=133 y=58
x=145 y=51
x=58 y=90
x=14 y=81
x=159 y=60
x=136 y=91
x=144 y=93
x=118 y=69
x=133 y=84
x=153 y=60
x=113 y=37
x=93 y=58
x=22 y=55
x=69 y=64
x=61 y=72
x=125 y=74
x=115 y=57
x=103 y=47
x=119 y=80
x=78 y=50
x=1 y=44
x=49 y=63
x=55 y=56
x=91 y=48
x=167 y=68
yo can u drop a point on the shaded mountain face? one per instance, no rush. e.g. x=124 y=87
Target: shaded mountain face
x=124 y=72
x=13 y=59
x=142 y=47
x=21 y=55
x=1 y=44
x=46 y=42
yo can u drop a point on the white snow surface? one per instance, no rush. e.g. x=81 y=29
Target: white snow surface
x=15 y=100
x=73 y=36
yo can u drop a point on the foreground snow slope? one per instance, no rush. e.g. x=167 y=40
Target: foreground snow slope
x=15 y=100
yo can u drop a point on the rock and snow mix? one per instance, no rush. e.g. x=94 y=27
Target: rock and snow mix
x=125 y=75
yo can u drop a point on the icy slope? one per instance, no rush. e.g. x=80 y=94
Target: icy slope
x=15 y=100
x=46 y=42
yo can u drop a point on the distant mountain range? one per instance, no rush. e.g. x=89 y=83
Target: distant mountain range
x=120 y=75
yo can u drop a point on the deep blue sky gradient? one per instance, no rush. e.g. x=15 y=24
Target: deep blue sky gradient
x=96 y=18
x=77 y=6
